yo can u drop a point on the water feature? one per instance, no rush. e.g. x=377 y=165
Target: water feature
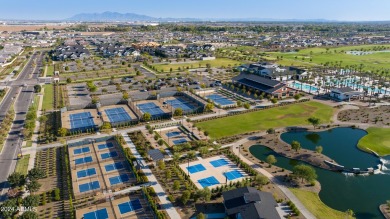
x=362 y=194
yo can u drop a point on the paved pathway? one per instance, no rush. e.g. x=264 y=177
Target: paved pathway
x=167 y=205
x=278 y=183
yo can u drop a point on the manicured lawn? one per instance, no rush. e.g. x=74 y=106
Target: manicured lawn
x=48 y=97
x=377 y=139
x=375 y=61
x=291 y=115
x=199 y=64
x=22 y=164
x=314 y=204
x=50 y=70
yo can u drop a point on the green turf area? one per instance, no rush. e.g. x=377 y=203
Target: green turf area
x=314 y=204
x=377 y=139
x=22 y=164
x=28 y=143
x=219 y=62
x=50 y=70
x=48 y=97
x=291 y=115
x=377 y=61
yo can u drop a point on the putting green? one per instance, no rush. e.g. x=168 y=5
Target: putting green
x=291 y=115
x=377 y=139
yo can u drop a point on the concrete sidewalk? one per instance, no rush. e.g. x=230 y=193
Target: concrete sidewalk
x=167 y=205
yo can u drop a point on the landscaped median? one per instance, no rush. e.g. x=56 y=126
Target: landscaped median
x=283 y=116
x=377 y=140
x=314 y=204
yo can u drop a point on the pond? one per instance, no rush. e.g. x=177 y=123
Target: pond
x=362 y=194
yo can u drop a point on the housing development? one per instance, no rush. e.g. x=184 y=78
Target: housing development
x=154 y=118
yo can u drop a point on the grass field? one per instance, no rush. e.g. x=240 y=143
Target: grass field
x=48 y=97
x=314 y=204
x=198 y=64
x=22 y=164
x=50 y=70
x=375 y=61
x=291 y=115
x=377 y=139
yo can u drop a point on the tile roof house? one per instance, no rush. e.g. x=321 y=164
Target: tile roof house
x=249 y=203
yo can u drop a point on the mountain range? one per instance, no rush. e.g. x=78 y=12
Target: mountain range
x=115 y=16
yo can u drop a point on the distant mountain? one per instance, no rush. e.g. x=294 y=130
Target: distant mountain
x=115 y=16
x=110 y=16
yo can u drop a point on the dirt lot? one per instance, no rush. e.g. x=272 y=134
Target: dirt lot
x=378 y=115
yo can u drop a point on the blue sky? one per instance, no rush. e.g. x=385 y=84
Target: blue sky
x=349 y=10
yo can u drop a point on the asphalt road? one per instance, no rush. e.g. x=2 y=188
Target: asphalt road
x=22 y=97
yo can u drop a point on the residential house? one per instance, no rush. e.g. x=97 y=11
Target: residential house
x=250 y=203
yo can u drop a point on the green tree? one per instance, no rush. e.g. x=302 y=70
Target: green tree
x=56 y=194
x=168 y=174
x=304 y=172
x=185 y=197
x=68 y=80
x=261 y=180
x=206 y=193
x=125 y=95
x=62 y=132
x=161 y=165
x=274 y=100
x=178 y=112
x=37 y=88
x=271 y=160
x=203 y=150
x=200 y=216
x=11 y=205
x=270 y=131
x=295 y=145
x=247 y=105
x=239 y=103
x=297 y=96
x=33 y=186
x=16 y=179
x=176 y=185
x=146 y=116
x=31 y=201
x=319 y=149
x=36 y=173
x=209 y=107
x=314 y=121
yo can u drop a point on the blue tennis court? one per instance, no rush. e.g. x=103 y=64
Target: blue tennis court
x=117 y=115
x=114 y=166
x=172 y=134
x=234 y=174
x=151 y=108
x=85 y=173
x=130 y=206
x=81 y=150
x=180 y=103
x=196 y=168
x=209 y=181
x=109 y=155
x=104 y=146
x=119 y=179
x=221 y=100
x=179 y=141
x=89 y=186
x=219 y=162
x=99 y=214
x=83 y=160
x=81 y=120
